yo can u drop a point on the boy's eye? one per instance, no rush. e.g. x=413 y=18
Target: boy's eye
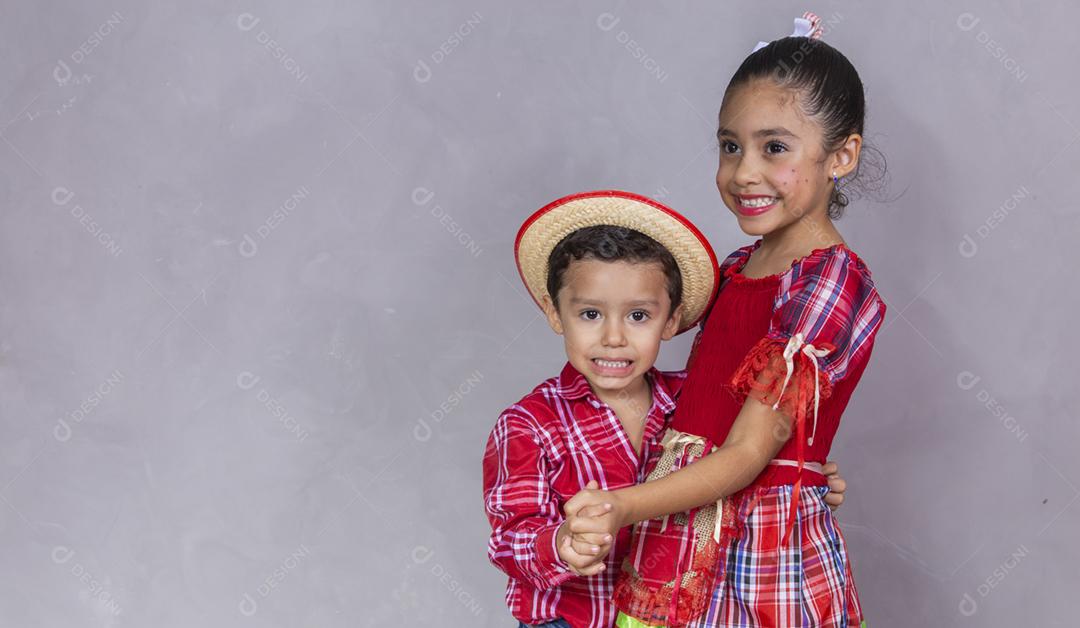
x=639 y=316
x=590 y=315
x=774 y=148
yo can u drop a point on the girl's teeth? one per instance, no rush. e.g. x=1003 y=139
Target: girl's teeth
x=758 y=202
x=614 y=365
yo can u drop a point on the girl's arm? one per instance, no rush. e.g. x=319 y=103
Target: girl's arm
x=755 y=438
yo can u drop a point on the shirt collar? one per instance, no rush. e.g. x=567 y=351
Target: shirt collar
x=573 y=385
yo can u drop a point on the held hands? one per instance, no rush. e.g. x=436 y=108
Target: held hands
x=594 y=517
x=584 y=539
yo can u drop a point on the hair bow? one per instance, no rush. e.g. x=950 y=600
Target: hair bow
x=809 y=25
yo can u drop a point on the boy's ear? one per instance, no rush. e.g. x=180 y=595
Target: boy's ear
x=673 y=322
x=552 y=314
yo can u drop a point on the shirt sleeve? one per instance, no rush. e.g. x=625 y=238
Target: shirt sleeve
x=826 y=316
x=521 y=507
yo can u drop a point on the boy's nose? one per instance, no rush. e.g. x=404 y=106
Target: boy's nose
x=614 y=335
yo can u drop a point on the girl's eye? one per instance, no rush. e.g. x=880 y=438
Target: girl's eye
x=639 y=316
x=590 y=315
x=727 y=147
x=779 y=148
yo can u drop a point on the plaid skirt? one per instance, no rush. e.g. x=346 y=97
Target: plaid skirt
x=808 y=583
x=797 y=584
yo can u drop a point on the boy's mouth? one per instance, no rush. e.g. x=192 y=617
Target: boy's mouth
x=612 y=367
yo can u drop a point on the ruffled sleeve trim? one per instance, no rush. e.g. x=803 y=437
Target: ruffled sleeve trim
x=764 y=370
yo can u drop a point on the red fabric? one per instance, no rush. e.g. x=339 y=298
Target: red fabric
x=746 y=320
x=654 y=588
x=828 y=298
x=541 y=452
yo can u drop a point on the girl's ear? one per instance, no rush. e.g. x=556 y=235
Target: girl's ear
x=672 y=324
x=552 y=314
x=846 y=158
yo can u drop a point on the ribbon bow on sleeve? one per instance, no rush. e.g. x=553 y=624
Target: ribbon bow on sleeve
x=798 y=344
x=809 y=25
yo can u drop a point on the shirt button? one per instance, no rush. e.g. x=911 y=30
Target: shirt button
x=594 y=403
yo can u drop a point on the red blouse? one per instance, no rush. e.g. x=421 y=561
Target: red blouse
x=829 y=298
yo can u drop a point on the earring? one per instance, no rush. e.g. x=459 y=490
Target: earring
x=834 y=177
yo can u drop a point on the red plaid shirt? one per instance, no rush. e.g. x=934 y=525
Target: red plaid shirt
x=541 y=452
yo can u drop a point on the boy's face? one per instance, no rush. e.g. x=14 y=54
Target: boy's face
x=613 y=316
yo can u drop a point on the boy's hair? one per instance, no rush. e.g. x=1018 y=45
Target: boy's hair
x=609 y=244
x=832 y=93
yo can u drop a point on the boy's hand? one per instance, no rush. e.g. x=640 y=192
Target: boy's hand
x=837 y=485
x=582 y=564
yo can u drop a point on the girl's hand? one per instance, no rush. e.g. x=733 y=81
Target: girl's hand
x=593 y=511
x=837 y=485
x=592 y=544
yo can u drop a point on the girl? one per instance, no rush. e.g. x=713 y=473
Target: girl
x=732 y=529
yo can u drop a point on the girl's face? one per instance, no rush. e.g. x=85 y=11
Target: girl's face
x=772 y=168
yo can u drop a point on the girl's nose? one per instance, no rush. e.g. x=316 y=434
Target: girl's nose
x=746 y=173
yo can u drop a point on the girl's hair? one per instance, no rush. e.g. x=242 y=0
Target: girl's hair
x=609 y=243
x=831 y=93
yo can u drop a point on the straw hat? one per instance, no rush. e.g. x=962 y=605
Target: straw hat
x=556 y=220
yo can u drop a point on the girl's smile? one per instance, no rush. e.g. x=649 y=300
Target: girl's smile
x=754 y=204
x=772 y=169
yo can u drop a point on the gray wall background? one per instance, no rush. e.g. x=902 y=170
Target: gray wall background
x=260 y=311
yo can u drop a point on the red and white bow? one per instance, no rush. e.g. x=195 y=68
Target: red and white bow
x=809 y=25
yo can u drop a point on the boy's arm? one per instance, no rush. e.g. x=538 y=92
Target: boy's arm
x=523 y=512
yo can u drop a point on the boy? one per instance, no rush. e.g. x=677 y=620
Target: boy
x=615 y=273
